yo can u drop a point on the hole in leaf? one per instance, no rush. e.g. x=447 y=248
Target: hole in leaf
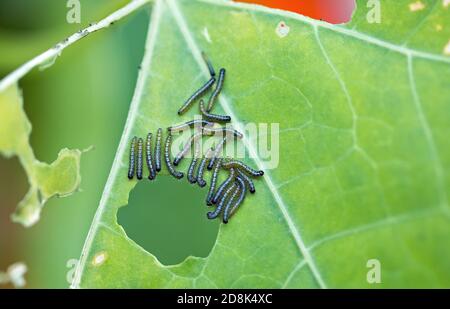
x=167 y=217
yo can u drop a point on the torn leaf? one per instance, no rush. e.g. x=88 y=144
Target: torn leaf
x=60 y=178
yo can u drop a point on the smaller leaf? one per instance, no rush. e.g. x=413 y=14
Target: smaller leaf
x=60 y=178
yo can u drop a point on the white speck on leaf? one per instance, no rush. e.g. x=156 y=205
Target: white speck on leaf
x=206 y=35
x=99 y=258
x=447 y=49
x=282 y=29
x=416 y=6
x=446 y=3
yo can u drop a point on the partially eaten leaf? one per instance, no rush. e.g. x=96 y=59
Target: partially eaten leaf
x=60 y=178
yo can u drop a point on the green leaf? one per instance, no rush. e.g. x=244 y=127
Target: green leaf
x=60 y=178
x=364 y=155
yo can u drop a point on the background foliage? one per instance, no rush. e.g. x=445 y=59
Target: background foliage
x=79 y=102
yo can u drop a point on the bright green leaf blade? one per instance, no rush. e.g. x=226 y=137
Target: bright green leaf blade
x=364 y=157
x=60 y=178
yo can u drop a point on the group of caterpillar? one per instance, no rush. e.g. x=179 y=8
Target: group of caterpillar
x=138 y=156
x=231 y=193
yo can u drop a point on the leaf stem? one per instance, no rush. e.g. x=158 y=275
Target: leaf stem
x=50 y=55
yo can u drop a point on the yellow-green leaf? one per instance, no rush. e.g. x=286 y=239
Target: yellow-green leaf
x=60 y=178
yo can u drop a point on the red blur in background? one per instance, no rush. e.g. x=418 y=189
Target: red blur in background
x=332 y=11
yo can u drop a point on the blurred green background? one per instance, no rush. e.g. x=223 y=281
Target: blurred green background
x=82 y=100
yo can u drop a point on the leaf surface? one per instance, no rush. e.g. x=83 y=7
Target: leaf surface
x=364 y=156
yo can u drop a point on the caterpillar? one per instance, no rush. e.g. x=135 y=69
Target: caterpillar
x=245 y=168
x=224 y=185
x=190 y=174
x=187 y=147
x=211 y=70
x=171 y=169
x=158 y=150
x=216 y=153
x=213 y=117
x=216 y=92
x=214 y=214
x=200 y=181
x=190 y=124
x=149 y=159
x=211 y=131
x=139 y=159
x=213 y=183
x=131 y=166
x=228 y=212
x=196 y=94
x=247 y=180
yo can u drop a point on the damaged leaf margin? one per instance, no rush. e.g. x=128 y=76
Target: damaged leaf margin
x=60 y=178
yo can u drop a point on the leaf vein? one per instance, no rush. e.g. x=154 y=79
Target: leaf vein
x=339 y=29
x=182 y=24
x=437 y=163
x=388 y=221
